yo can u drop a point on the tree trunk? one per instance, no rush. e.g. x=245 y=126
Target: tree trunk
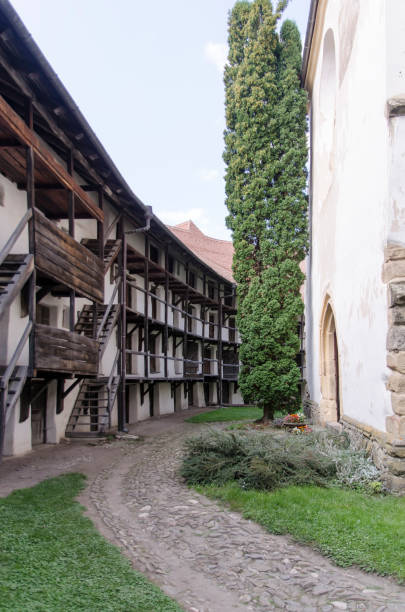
x=268 y=414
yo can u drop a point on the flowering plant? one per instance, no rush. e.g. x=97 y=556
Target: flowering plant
x=301 y=429
x=295 y=418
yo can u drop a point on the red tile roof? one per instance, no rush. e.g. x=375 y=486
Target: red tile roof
x=217 y=254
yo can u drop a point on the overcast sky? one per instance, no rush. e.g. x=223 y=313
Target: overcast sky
x=148 y=78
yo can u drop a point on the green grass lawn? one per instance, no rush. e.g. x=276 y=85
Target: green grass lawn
x=52 y=558
x=350 y=527
x=235 y=413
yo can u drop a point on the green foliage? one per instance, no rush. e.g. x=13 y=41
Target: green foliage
x=255 y=460
x=262 y=460
x=234 y=413
x=349 y=526
x=265 y=154
x=52 y=558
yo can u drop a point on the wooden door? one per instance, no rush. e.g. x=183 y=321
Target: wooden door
x=151 y=400
x=225 y=392
x=38 y=416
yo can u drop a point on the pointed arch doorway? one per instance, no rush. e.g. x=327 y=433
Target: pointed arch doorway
x=330 y=384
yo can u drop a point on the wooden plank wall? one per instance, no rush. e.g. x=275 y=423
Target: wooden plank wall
x=59 y=256
x=59 y=350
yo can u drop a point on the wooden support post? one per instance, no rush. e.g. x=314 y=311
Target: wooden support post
x=166 y=333
x=71 y=212
x=203 y=309
x=122 y=330
x=3 y=401
x=185 y=311
x=100 y=227
x=31 y=245
x=146 y=309
x=219 y=346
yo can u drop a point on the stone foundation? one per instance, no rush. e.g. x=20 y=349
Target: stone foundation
x=394 y=276
x=386 y=450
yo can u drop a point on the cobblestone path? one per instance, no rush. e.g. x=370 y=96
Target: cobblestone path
x=211 y=559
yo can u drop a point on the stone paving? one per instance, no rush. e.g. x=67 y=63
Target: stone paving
x=211 y=559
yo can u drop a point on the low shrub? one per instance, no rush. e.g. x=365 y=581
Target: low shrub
x=354 y=468
x=254 y=460
x=257 y=460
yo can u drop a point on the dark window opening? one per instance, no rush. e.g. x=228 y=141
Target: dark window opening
x=154 y=254
x=232 y=324
x=43 y=314
x=207 y=362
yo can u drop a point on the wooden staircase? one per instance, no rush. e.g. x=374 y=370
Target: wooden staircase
x=111 y=250
x=15 y=385
x=14 y=273
x=88 y=326
x=91 y=414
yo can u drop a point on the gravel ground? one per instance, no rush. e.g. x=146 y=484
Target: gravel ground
x=206 y=557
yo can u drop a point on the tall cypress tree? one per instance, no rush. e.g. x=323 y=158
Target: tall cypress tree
x=265 y=154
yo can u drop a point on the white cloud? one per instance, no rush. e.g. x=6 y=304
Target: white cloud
x=209 y=175
x=217 y=54
x=173 y=217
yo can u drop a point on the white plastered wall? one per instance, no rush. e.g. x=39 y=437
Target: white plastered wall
x=351 y=210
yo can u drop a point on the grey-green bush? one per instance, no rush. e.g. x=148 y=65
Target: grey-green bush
x=258 y=460
x=254 y=460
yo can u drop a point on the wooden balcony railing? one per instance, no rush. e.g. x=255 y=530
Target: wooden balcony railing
x=59 y=256
x=230 y=371
x=59 y=350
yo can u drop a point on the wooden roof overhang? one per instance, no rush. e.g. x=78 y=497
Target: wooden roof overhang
x=25 y=74
x=52 y=182
x=136 y=265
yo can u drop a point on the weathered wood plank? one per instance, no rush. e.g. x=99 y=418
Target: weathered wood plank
x=58 y=255
x=73 y=257
x=58 y=350
x=55 y=271
x=26 y=136
x=48 y=229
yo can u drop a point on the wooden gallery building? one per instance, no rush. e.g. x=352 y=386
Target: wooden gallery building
x=107 y=317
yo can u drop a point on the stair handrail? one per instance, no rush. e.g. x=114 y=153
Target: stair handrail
x=111 y=377
x=108 y=309
x=10 y=368
x=109 y=385
x=111 y=227
x=15 y=236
